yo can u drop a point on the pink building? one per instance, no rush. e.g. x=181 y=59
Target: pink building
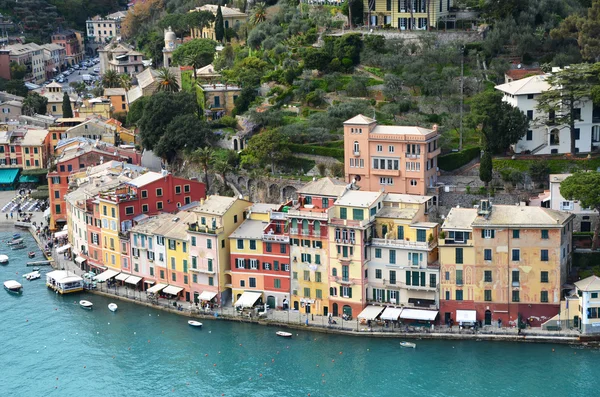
x=397 y=159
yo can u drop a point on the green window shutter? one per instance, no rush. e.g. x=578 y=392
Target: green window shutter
x=493 y=234
x=423 y=275
x=408 y=277
x=374 y=294
x=343 y=213
x=415 y=277
x=482 y=233
x=388 y=295
x=349 y=292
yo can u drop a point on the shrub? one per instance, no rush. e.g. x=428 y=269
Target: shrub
x=40 y=195
x=318 y=150
x=322 y=168
x=337 y=170
x=456 y=160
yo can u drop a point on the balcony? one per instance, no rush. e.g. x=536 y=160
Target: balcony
x=343 y=281
x=413 y=155
x=356 y=153
x=194 y=227
x=385 y=172
x=310 y=213
x=401 y=285
x=416 y=245
x=202 y=270
x=349 y=222
x=275 y=238
x=434 y=153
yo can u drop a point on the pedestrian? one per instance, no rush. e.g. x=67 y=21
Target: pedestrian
x=11 y=215
x=6 y=216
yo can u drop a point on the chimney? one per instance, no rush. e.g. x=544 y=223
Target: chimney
x=434 y=128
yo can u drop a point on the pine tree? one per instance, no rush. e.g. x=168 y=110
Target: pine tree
x=219 y=26
x=67 y=111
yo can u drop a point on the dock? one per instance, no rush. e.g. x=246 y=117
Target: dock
x=41 y=263
x=25 y=225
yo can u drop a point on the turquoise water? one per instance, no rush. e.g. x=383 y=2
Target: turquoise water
x=52 y=347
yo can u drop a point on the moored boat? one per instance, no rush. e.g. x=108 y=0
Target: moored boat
x=112 y=307
x=19 y=246
x=408 y=344
x=86 y=304
x=194 y=323
x=15 y=241
x=13 y=286
x=284 y=334
x=31 y=254
x=3 y=259
x=16 y=235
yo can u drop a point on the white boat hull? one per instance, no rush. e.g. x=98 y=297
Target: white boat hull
x=284 y=334
x=86 y=304
x=195 y=323
x=112 y=307
x=408 y=344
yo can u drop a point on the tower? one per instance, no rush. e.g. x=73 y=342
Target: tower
x=170 y=40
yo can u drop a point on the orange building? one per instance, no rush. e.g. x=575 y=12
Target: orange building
x=397 y=159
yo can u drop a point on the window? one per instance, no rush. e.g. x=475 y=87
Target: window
x=391 y=148
x=400 y=232
x=252 y=282
x=159 y=192
x=392 y=257
x=307 y=292
x=210 y=265
x=177 y=189
x=487 y=254
x=144 y=194
x=277 y=283
x=544 y=296
x=459 y=295
x=174 y=276
x=240 y=244
x=145 y=208
x=515 y=276
x=459 y=255
x=594 y=295
x=159 y=205
x=343 y=213
x=377 y=252
x=392 y=277
x=530 y=115
x=268 y=247
x=432 y=280
x=186 y=188
x=242 y=283
x=307 y=275
x=459 y=277
x=544 y=277
x=171 y=244
x=447 y=276
x=346 y=292
x=356 y=147
x=358 y=214
x=488 y=233
x=515 y=296
x=544 y=234
x=235 y=219
x=487 y=295
x=253 y=244
x=318 y=294
x=129 y=210
x=516 y=234
x=378 y=274
x=487 y=276
x=566 y=205
x=421 y=235
x=529 y=136
x=318 y=277
x=254 y=264
x=516 y=255
x=345 y=272
x=544 y=255
x=380 y=148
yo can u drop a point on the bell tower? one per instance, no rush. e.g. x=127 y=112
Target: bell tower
x=170 y=43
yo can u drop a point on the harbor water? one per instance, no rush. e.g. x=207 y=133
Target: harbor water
x=53 y=347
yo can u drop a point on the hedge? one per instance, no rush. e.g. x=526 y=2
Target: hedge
x=318 y=150
x=456 y=160
x=586 y=260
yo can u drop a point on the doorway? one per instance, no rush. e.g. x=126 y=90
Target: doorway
x=335 y=309
x=447 y=317
x=586 y=226
x=187 y=296
x=325 y=310
x=307 y=308
x=347 y=310
x=296 y=306
x=271 y=302
x=488 y=317
x=196 y=297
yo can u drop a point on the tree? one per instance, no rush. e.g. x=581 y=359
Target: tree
x=15 y=87
x=204 y=157
x=500 y=123
x=219 y=26
x=198 y=20
x=125 y=83
x=222 y=167
x=67 y=110
x=269 y=147
x=589 y=33
x=136 y=111
x=79 y=87
x=584 y=187
x=259 y=13
x=485 y=168
x=34 y=103
x=561 y=103
x=183 y=133
x=539 y=172
x=196 y=53
x=17 y=71
x=167 y=80
x=354 y=10
x=110 y=79
x=158 y=111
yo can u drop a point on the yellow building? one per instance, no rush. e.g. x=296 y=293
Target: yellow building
x=502 y=263
x=580 y=309
x=350 y=225
x=95 y=107
x=399 y=14
x=118 y=99
x=232 y=18
x=219 y=99
x=216 y=218
x=109 y=229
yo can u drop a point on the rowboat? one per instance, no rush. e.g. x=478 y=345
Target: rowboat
x=195 y=323
x=3 y=259
x=408 y=344
x=112 y=307
x=86 y=304
x=284 y=334
x=13 y=286
x=31 y=254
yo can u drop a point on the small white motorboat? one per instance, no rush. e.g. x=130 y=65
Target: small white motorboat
x=408 y=344
x=13 y=286
x=86 y=304
x=195 y=323
x=284 y=334
x=112 y=307
x=3 y=259
x=33 y=275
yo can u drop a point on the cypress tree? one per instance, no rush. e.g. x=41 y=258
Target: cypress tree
x=67 y=111
x=219 y=26
x=485 y=168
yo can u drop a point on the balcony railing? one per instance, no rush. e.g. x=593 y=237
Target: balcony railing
x=423 y=245
x=313 y=213
x=398 y=284
x=202 y=270
x=194 y=227
x=413 y=155
x=349 y=222
x=356 y=153
x=434 y=153
x=276 y=238
x=343 y=280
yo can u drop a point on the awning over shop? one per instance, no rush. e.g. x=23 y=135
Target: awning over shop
x=47 y=213
x=157 y=288
x=172 y=290
x=62 y=233
x=149 y=282
x=80 y=259
x=371 y=312
x=122 y=277
x=418 y=314
x=207 y=295
x=391 y=313
x=133 y=280
x=248 y=299
x=62 y=249
x=108 y=274
x=466 y=316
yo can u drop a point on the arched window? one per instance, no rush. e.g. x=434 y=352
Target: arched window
x=356 y=147
x=360 y=130
x=352 y=130
x=334 y=272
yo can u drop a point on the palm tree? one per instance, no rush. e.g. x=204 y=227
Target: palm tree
x=167 y=81
x=259 y=13
x=222 y=167
x=125 y=83
x=204 y=157
x=110 y=79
